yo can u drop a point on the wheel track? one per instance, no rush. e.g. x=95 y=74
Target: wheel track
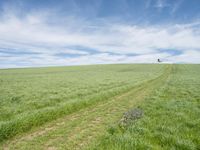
x=77 y=130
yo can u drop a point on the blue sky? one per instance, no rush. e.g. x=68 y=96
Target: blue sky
x=37 y=33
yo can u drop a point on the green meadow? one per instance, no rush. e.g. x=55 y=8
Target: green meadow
x=171 y=117
x=81 y=107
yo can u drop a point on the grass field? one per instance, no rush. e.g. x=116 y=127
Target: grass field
x=171 y=119
x=80 y=107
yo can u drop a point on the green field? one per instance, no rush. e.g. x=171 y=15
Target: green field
x=81 y=107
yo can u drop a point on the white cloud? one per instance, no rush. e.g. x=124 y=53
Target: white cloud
x=189 y=56
x=33 y=33
x=176 y=6
x=161 y=4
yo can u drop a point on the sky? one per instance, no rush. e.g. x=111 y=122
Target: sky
x=35 y=33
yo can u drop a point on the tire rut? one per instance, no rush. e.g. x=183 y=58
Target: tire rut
x=78 y=130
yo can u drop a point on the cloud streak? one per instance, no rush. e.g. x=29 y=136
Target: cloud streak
x=38 y=42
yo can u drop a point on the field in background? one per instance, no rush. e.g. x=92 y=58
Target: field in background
x=80 y=107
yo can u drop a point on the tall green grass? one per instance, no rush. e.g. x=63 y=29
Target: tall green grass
x=171 y=117
x=32 y=97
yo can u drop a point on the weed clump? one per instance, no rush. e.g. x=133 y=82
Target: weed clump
x=130 y=116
